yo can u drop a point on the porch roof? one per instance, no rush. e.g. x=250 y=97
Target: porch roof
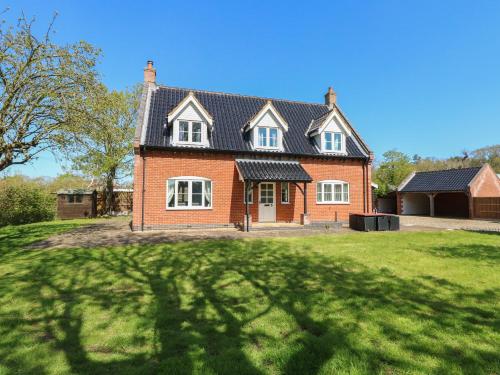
x=272 y=170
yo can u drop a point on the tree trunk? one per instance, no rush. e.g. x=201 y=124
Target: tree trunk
x=110 y=179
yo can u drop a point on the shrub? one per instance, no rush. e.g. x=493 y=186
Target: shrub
x=23 y=201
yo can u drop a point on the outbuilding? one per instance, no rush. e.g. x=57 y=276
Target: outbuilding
x=465 y=192
x=76 y=203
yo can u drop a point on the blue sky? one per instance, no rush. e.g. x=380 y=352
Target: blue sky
x=419 y=76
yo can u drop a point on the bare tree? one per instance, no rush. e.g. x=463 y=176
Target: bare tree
x=41 y=84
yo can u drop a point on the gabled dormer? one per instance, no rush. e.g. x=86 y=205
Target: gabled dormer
x=266 y=129
x=190 y=123
x=330 y=132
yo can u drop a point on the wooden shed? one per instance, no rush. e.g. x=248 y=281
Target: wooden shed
x=77 y=203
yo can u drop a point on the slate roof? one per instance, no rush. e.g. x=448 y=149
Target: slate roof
x=231 y=112
x=272 y=170
x=318 y=122
x=446 y=180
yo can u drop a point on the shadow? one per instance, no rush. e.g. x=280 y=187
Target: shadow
x=477 y=252
x=240 y=307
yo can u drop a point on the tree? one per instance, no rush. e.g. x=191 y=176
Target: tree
x=40 y=84
x=489 y=154
x=392 y=171
x=67 y=181
x=101 y=139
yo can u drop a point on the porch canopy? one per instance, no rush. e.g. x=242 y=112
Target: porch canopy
x=256 y=171
x=271 y=170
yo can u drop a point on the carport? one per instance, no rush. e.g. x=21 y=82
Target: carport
x=445 y=193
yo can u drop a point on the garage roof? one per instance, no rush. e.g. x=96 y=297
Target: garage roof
x=445 y=180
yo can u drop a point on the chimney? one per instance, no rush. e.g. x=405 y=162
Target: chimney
x=150 y=73
x=330 y=98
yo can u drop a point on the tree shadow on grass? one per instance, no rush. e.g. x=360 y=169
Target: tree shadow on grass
x=478 y=252
x=248 y=307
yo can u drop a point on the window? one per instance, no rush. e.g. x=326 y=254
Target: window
x=189 y=193
x=337 y=141
x=328 y=141
x=267 y=137
x=75 y=198
x=190 y=132
x=250 y=194
x=285 y=192
x=332 y=192
x=333 y=141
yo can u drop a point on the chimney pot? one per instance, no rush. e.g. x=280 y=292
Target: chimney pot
x=149 y=72
x=330 y=98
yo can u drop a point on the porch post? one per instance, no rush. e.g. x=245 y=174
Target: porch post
x=247 y=210
x=305 y=198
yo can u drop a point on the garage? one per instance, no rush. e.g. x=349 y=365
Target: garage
x=447 y=193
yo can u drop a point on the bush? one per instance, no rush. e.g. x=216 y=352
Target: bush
x=23 y=201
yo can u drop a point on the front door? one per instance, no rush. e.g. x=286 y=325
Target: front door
x=267 y=204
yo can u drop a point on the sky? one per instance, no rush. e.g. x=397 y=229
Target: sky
x=422 y=77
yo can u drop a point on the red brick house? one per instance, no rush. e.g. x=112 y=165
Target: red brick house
x=198 y=152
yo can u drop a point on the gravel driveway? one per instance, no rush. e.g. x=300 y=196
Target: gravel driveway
x=450 y=223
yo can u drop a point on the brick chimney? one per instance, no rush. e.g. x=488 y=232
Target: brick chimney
x=330 y=97
x=150 y=73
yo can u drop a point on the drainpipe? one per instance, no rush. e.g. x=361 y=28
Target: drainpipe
x=143 y=186
x=364 y=187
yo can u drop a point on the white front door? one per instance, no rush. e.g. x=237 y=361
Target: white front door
x=267 y=202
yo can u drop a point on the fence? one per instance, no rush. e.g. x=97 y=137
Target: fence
x=487 y=208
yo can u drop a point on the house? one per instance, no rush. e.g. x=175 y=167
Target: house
x=465 y=192
x=76 y=203
x=210 y=159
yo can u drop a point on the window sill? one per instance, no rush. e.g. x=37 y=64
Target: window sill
x=285 y=203
x=188 y=208
x=333 y=203
x=189 y=144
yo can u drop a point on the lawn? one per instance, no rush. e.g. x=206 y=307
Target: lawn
x=360 y=303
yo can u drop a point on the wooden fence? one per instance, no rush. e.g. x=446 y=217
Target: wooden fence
x=487 y=208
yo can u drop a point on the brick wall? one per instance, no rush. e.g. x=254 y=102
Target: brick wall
x=486 y=184
x=227 y=190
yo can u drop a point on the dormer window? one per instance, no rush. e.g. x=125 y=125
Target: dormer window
x=333 y=141
x=191 y=123
x=266 y=129
x=268 y=137
x=190 y=132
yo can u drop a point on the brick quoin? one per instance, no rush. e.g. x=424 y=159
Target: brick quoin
x=227 y=190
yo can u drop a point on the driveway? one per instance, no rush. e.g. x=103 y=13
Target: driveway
x=449 y=223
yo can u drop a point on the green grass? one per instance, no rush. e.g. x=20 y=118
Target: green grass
x=385 y=303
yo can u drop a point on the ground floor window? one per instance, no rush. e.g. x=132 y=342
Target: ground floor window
x=285 y=192
x=332 y=192
x=189 y=193
x=75 y=198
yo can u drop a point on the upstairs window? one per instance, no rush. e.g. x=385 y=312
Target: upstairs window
x=332 y=192
x=333 y=141
x=189 y=132
x=189 y=193
x=267 y=137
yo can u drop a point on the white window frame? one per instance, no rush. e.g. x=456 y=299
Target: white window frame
x=333 y=149
x=267 y=138
x=287 y=184
x=189 y=180
x=190 y=132
x=345 y=188
x=250 y=201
